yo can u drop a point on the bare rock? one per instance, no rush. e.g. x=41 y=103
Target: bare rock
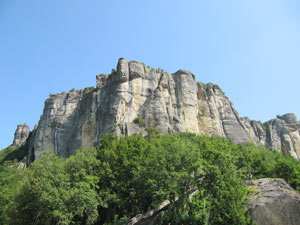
x=283 y=135
x=274 y=203
x=290 y=118
x=169 y=102
x=122 y=70
x=21 y=134
x=101 y=80
x=137 y=70
x=255 y=130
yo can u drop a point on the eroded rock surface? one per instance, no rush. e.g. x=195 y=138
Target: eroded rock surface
x=275 y=203
x=283 y=134
x=21 y=134
x=169 y=102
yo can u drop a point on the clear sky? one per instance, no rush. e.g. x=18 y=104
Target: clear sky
x=251 y=48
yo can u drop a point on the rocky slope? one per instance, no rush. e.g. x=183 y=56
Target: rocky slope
x=168 y=102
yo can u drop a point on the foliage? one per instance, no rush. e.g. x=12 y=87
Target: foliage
x=289 y=169
x=262 y=162
x=146 y=172
x=10 y=179
x=127 y=176
x=210 y=84
x=152 y=133
x=13 y=153
x=55 y=191
x=222 y=195
x=139 y=120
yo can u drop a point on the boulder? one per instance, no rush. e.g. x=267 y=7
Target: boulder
x=274 y=203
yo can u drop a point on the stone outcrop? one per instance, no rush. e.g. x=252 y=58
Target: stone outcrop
x=283 y=135
x=21 y=134
x=169 y=102
x=274 y=203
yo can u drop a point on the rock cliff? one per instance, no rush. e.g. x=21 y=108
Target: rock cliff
x=283 y=134
x=169 y=102
x=21 y=134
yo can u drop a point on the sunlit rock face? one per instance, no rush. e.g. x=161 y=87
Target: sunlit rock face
x=283 y=134
x=169 y=102
x=21 y=134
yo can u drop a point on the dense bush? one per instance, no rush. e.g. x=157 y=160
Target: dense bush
x=10 y=180
x=139 y=120
x=55 y=191
x=13 y=153
x=127 y=176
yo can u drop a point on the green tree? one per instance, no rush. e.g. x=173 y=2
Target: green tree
x=288 y=168
x=10 y=180
x=222 y=195
x=137 y=174
x=127 y=176
x=55 y=191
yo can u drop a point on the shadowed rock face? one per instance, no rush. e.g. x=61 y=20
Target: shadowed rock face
x=275 y=203
x=21 y=134
x=168 y=102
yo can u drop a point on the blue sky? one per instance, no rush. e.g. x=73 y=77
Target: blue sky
x=251 y=48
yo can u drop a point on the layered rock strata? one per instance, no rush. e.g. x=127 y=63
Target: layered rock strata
x=169 y=102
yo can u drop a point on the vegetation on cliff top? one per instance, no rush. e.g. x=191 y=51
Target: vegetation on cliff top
x=123 y=177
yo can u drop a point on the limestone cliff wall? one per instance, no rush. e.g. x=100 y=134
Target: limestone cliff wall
x=168 y=102
x=283 y=134
x=21 y=134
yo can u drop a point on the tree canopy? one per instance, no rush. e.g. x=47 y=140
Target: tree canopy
x=123 y=177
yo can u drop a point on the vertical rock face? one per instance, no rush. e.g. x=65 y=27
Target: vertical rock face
x=217 y=117
x=168 y=102
x=21 y=134
x=255 y=130
x=283 y=134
